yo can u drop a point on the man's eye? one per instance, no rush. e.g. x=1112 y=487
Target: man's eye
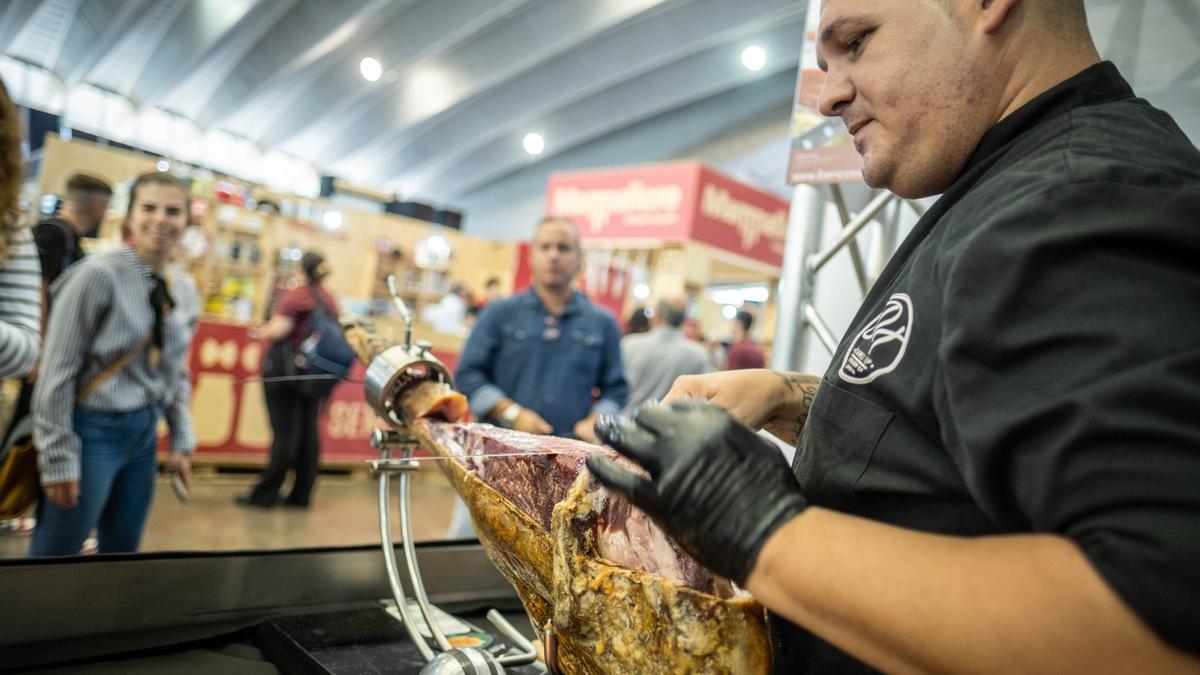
x=855 y=44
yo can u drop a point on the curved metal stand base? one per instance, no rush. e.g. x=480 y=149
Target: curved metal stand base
x=446 y=656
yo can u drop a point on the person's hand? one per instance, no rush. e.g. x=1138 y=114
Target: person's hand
x=64 y=495
x=181 y=464
x=584 y=429
x=759 y=398
x=714 y=486
x=531 y=423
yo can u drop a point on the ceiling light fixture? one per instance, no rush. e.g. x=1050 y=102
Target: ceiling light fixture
x=370 y=69
x=754 y=58
x=534 y=143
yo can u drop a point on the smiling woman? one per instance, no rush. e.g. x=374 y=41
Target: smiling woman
x=118 y=337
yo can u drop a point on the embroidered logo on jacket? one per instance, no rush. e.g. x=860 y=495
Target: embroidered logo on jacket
x=880 y=346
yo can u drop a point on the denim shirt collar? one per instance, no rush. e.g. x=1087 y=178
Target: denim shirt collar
x=576 y=305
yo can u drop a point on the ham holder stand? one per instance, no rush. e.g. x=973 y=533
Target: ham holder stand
x=390 y=374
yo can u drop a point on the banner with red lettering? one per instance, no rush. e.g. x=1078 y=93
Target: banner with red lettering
x=672 y=203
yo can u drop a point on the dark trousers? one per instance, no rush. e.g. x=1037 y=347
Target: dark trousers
x=295 y=446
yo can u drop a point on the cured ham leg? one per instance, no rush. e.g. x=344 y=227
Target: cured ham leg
x=622 y=596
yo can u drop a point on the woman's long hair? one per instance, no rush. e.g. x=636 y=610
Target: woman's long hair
x=10 y=171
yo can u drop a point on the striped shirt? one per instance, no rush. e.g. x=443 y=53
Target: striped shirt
x=100 y=311
x=20 y=306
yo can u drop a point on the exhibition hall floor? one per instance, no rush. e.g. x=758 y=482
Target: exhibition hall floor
x=343 y=513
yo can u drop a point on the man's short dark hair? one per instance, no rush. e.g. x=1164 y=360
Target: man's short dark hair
x=1071 y=15
x=562 y=220
x=746 y=319
x=84 y=187
x=492 y=282
x=670 y=312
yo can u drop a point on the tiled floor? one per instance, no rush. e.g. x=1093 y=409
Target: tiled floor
x=344 y=512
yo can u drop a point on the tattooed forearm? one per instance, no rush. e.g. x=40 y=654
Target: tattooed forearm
x=801 y=389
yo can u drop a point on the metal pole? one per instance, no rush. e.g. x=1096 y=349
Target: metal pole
x=852 y=229
x=393 y=572
x=820 y=328
x=856 y=256
x=414 y=570
x=806 y=220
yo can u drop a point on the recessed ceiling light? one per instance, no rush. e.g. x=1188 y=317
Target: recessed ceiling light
x=754 y=58
x=534 y=143
x=370 y=69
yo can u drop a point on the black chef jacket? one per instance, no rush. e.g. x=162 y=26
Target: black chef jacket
x=1029 y=360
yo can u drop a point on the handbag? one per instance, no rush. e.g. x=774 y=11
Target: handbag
x=18 y=460
x=19 y=485
x=323 y=352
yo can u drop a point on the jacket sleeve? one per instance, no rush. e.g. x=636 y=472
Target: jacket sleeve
x=80 y=300
x=475 y=374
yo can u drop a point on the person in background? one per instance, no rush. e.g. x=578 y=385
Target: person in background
x=118 y=338
x=639 y=321
x=58 y=236
x=534 y=359
x=654 y=359
x=450 y=314
x=492 y=291
x=293 y=412
x=715 y=350
x=58 y=247
x=20 y=294
x=744 y=352
x=20 y=285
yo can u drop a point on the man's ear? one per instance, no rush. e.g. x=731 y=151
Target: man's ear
x=997 y=14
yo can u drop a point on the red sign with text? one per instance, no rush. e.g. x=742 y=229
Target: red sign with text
x=672 y=203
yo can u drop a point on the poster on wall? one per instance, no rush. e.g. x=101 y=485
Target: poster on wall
x=821 y=152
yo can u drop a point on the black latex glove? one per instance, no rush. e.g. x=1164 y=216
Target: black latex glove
x=715 y=487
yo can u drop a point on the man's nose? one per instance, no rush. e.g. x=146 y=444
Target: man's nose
x=836 y=93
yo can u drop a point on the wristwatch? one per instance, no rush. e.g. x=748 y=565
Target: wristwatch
x=508 y=417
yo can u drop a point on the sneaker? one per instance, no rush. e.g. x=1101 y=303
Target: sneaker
x=90 y=546
x=20 y=526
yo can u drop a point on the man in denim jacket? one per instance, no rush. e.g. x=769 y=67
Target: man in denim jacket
x=535 y=361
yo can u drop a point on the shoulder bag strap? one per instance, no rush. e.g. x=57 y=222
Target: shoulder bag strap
x=316 y=293
x=112 y=370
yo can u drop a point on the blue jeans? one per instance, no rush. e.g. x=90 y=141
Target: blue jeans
x=116 y=485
